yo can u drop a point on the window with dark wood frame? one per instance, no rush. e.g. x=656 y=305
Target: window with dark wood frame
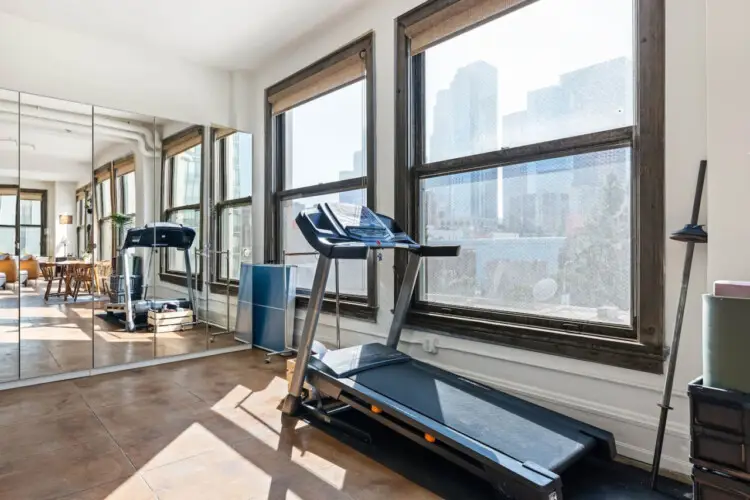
x=182 y=200
x=232 y=198
x=105 y=206
x=83 y=220
x=25 y=219
x=348 y=70
x=433 y=182
x=124 y=201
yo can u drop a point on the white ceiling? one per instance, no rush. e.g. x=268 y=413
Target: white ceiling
x=56 y=135
x=227 y=34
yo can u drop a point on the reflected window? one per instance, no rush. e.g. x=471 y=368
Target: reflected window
x=183 y=160
x=8 y=198
x=233 y=221
x=32 y=219
x=104 y=210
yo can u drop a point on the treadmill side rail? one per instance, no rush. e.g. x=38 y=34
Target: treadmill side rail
x=514 y=479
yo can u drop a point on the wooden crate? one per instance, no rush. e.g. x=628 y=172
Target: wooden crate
x=290 y=364
x=170 y=321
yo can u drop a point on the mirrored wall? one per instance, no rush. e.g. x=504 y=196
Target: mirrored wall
x=98 y=206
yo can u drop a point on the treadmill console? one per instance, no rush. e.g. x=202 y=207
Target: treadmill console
x=358 y=222
x=346 y=231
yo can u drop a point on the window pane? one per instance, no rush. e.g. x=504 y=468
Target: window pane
x=239 y=165
x=8 y=210
x=7 y=240
x=105 y=198
x=31 y=212
x=127 y=187
x=186 y=180
x=325 y=138
x=31 y=240
x=237 y=237
x=549 y=70
x=352 y=273
x=176 y=257
x=81 y=241
x=105 y=240
x=548 y=238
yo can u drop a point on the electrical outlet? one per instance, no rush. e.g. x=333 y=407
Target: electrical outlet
x=429 y=344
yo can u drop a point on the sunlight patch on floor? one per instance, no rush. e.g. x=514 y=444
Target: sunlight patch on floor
x=61 y=332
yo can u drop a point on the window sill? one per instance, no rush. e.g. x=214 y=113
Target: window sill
x=347 y=309
x=219 y=288
x=598 y=349
x=180 y=279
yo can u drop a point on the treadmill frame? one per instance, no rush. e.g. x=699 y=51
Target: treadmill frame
x=507 y=475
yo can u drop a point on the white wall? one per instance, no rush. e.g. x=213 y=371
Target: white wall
x=728 y=62
x=42 y=59
x=620 y=400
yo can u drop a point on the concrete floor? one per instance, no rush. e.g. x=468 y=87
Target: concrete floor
x=200 y=429
x=56 y=336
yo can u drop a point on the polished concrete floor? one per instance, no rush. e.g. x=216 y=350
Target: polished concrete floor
x=201 y=429
x=64 y=336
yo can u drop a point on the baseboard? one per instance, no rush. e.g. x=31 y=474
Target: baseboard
x=118 y=368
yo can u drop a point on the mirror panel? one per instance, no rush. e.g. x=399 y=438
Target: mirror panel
x=54 y=282
x=231 y=202
x=9 y=296
x=125 y=147
x=178 y=179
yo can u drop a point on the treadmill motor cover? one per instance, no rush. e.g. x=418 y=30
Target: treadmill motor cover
x=159 y=235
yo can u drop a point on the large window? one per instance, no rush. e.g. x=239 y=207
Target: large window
x=182 y=193
x=233 y=208
x=32 y=222
x=83 y=220
x=125 y=201
x=31 y=219
x=322 y=151
x=516 y=135
x=8 y=200
x=103 y=187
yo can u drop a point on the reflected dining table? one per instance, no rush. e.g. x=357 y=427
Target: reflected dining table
x=65 y=271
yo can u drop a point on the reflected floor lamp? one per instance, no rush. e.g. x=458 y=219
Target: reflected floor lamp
x=65 y=220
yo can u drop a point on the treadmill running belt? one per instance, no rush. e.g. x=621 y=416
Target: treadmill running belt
x=505 y=423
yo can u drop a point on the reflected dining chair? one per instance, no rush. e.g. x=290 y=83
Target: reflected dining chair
x=51 y=276
x=103 y=272
x=82 y=278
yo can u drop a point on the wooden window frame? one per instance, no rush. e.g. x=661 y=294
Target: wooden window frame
x=219 y=189
x=107 y=171
x=43 y=222
x=643 y=347
x=167 y=166
x=359 y=307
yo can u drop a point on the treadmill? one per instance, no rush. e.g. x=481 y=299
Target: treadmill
x=154 y=236
x=519 y=447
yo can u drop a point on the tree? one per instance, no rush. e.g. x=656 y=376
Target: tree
x=596 y=261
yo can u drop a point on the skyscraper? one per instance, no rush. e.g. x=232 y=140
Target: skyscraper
x=538 y=197
x=465 y=123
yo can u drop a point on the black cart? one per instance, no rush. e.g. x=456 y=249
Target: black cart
x=519 y=447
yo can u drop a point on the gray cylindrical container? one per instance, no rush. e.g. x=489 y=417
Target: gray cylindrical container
x=726 y=343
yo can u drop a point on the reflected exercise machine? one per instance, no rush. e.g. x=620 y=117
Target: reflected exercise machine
x=154 y=236
x=519 y=447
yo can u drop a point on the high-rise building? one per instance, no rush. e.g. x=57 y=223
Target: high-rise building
x=538 y=197
x=465 y=123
